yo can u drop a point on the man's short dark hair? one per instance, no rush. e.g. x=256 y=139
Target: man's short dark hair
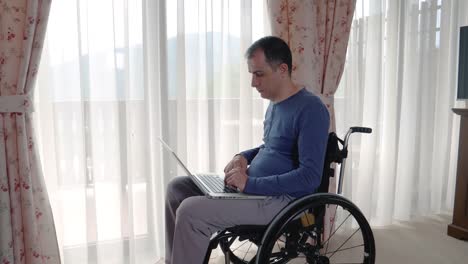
x=275 y=49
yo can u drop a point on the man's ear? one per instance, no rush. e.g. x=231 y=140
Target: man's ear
x=283 y=67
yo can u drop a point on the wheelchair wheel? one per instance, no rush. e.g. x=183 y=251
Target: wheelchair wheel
x=297 y=234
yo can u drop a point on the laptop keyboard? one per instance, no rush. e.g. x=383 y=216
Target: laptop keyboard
x=216 y=184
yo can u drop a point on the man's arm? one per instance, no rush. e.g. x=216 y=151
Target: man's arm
x=250 y=154
x=312 y=143
x=242 y=160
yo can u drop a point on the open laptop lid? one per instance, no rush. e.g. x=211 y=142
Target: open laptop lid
x=200 y=185
x=166 y=146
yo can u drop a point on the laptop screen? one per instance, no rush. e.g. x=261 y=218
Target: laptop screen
x=166 y=146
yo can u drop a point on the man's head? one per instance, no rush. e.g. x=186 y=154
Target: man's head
x=276 y=52
x=270 y=62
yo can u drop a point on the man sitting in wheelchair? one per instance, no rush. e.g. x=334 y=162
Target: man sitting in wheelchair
x=287 y=166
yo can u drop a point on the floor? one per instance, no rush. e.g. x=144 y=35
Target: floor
x=423 y=241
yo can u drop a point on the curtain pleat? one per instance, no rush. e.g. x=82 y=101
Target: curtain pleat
x=399 y=79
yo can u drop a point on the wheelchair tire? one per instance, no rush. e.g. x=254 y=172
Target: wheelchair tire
x=306 y=243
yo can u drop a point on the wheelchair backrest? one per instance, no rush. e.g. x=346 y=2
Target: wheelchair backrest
x=333 y=155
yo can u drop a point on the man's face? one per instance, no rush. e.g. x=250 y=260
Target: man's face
x=265 y=79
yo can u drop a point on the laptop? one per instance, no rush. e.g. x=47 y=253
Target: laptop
x=212 y=185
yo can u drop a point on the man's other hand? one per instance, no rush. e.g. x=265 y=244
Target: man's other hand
x=236 y=177
x=238 y=161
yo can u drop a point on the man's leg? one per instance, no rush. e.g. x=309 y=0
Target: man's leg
x=199 y=217
x=178 y=189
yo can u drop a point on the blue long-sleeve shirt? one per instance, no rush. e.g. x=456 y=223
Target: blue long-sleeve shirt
x=295 y=138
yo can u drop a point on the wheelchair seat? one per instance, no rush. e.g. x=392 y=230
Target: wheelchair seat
x=299 y=231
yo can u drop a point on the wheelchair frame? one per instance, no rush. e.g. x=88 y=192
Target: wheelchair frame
x=287 y=221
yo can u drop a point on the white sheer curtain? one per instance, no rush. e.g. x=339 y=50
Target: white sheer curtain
x=117 y=74
x=400 y=79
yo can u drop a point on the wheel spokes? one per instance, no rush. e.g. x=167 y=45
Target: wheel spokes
x=344 y=242
x=334 y=232
x=247 y=251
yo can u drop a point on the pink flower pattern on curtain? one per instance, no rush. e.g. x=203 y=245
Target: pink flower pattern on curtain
x=317 y=32
x=27 y=232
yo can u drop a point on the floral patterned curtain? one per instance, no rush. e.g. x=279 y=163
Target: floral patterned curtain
x=317 y=32
x=27 y=232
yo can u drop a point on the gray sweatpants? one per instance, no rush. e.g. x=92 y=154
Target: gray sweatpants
x=191 y=218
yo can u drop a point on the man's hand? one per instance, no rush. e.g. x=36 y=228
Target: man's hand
x=236 y=177
x=238 y=161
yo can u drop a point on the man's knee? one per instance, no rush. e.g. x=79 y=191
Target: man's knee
x=176 y=183
x=189 y=208
x=175 y=187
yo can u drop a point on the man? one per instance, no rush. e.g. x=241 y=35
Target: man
x=287 y=166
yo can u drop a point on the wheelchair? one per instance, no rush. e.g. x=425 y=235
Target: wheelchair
x=299 y=233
